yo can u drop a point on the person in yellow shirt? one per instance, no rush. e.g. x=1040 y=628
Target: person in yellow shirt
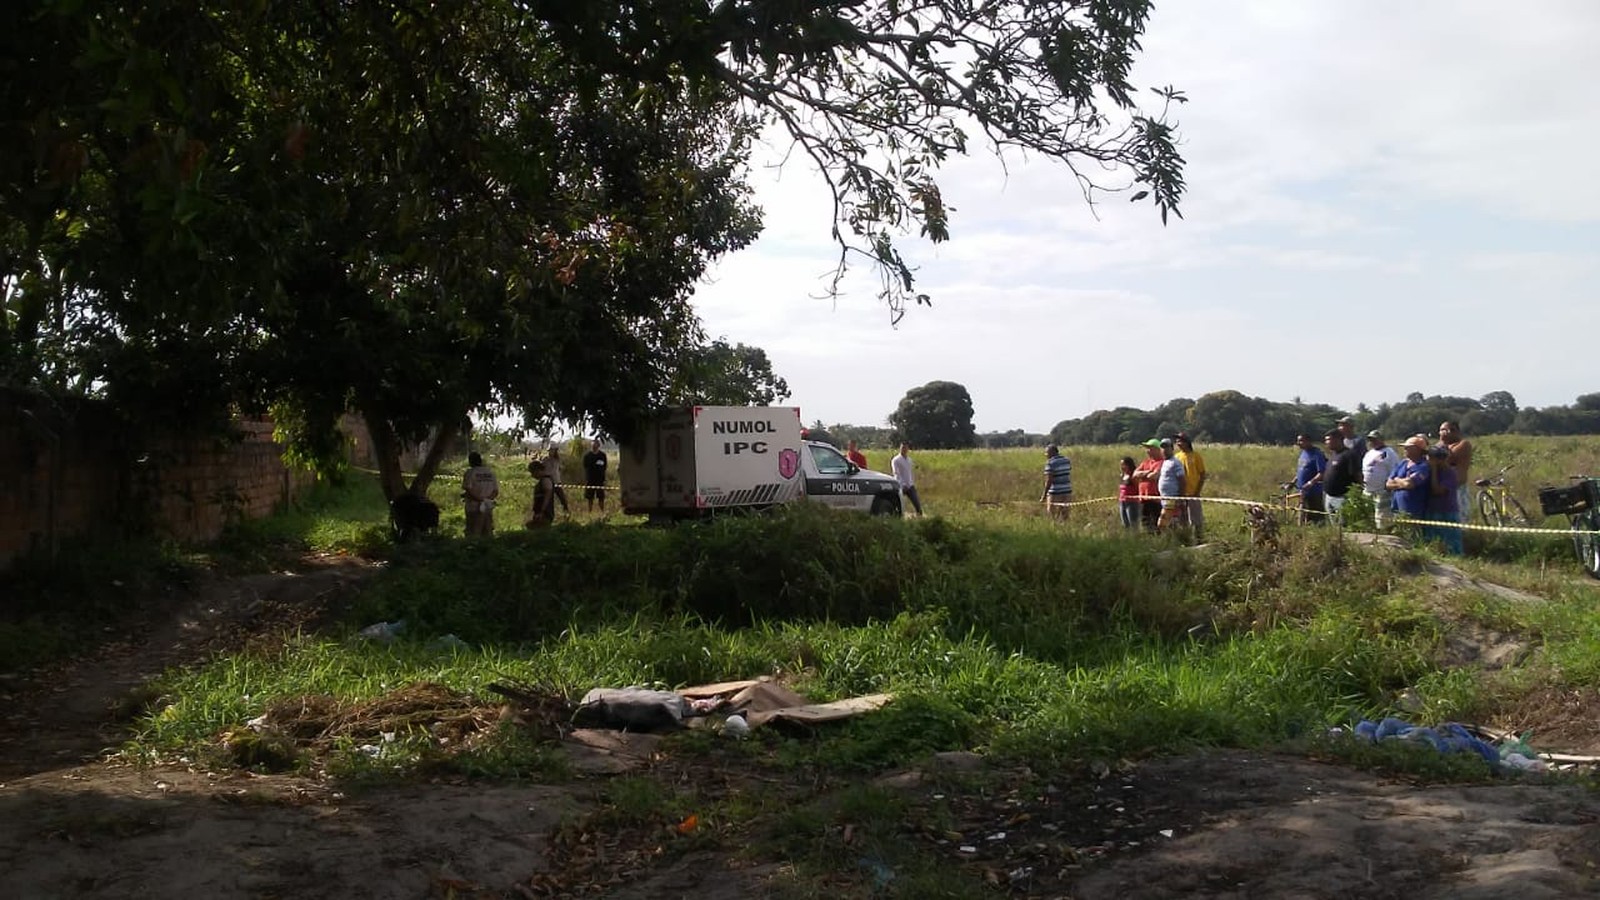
x=1194 y=480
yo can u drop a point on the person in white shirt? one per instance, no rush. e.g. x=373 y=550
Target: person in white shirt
x=1376 y=466
x=479 y=489
x=905 y=473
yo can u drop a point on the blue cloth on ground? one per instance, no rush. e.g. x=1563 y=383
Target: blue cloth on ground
x=1447 y=738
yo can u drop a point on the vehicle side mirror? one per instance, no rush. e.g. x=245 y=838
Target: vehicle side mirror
x=853 y=468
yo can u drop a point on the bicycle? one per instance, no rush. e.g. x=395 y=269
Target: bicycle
x=1497 y=507
x=1289 y=501
x=1581 y=505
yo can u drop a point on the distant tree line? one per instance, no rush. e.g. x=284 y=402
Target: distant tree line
x=1230 y=417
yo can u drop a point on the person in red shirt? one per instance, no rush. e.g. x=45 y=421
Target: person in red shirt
x=855 y=455
x=1146 y=476
x=1128 y=495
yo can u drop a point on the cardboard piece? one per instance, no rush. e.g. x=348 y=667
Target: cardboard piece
x=720 y=688
x=595 y=751
x=764 y=700
x=817 y=713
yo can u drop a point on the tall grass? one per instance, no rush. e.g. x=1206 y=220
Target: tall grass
x=1018 y=637
x=995 y=626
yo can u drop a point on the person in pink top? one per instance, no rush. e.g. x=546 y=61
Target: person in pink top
x=1128 y=495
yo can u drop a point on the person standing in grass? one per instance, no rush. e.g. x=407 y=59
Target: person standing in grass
x=542 y=511
x=1442 y=502
x=1460 y=461
x=1308 y=476
x=1344 y=470
x=1169 y=481
x=905 y=473
x=1376 y=467
x=854 y=454
x=594 y=476
x=1057 y=483
x=1194 y=480
x=1128 y=502
x=1145 y=475
x=1411 y=479
x=552 y=467
x=479 y=490
x=1346 y=427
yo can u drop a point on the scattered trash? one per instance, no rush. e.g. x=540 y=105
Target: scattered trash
x=632 y=708
x=688 y=825
x=447 y=642
x=881 y=873
x=1450 y=737
x=383 y=632
x=967 y=848
x=1166 y=832
x=1524 y=763
x=1021 y=873
x=751 y=703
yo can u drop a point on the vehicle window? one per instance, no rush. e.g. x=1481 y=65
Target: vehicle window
x=830 y=461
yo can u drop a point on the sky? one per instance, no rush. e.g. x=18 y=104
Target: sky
x=1383 y=198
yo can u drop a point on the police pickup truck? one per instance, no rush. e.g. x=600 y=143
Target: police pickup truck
x=699 y=460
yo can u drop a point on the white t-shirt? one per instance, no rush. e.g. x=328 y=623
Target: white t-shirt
x=902 y=471
x=1376 y=466
x=481 y=484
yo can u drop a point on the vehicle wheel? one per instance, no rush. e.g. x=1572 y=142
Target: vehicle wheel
x=886 y=505
x=1487 y=510
x=1587 y=545
x=1518 y=514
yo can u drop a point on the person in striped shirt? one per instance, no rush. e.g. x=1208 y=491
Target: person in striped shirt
x=1057 y=483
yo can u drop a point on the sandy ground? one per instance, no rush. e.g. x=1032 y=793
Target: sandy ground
x=1218 y=825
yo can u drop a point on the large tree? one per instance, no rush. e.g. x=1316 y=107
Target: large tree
x=937 y=415
x=422 y=211
x=723 y=374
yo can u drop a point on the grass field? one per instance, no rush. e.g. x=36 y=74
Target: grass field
x=996 y=629
x=1027 y=636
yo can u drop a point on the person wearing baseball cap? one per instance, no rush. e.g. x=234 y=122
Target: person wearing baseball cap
x=1170 y=480
x=1376 y=467
x=1411 y=480
x=1145 y=475
x=1353 y=440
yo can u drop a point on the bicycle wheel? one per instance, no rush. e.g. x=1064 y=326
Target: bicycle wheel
x=1587 y=543
x=1518 y=515
x=1488 y=510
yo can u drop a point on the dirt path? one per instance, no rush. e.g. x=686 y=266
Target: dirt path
x=1217 y=825
x=73 y=713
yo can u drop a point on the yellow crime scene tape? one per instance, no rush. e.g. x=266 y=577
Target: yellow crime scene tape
x=1399 y=520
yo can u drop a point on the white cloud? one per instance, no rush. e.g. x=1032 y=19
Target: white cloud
x=1347 y=163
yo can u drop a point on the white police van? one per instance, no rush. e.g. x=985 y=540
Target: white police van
x=699 y=460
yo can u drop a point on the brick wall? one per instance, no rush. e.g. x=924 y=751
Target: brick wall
x=71 y=471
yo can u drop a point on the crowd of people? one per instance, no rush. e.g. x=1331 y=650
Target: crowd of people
x=480 y=489
x=1428 y=481
x=1161 y=492
x=1425 y=482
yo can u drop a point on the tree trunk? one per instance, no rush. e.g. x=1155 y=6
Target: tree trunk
x=386 y=452
x=387 y=447
x=442 y=440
